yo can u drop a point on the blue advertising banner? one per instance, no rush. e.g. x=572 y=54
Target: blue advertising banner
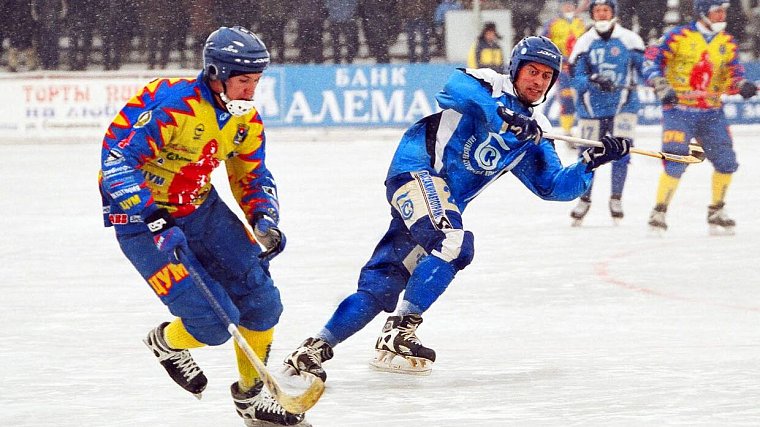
x=385 y=95
x=396 y=95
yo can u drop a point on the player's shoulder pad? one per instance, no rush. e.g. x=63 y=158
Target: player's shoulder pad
x=630 y=39
x=499 y=83
x=583 y=44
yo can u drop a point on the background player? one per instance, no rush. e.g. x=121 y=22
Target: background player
x=604 y=63
x=157 y=158
x=564 y=31
x=690 y=68
x=487 y=128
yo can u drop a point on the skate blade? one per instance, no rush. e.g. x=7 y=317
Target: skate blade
x=198 y=396
x=387 y=361
x=617 y=221
x=262 y=423
x=656 y=231
x=717 y=230
x=576 y=223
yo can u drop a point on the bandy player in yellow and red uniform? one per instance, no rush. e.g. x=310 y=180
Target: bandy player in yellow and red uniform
x=690 y=68
x=564 y=30
x=157 y=157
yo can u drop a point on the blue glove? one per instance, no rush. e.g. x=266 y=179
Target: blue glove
x=166 y=235
x=614 y=149
x=602 y=82
x=747 y=89
x=664 y=91
x=525 y=128
x=267 y=233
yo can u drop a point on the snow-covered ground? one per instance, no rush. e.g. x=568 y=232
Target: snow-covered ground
x=550 y=325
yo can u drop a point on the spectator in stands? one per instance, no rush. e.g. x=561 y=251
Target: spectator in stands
x=159 y=30
x=48 y=16
x=344 y=29
x=755 y=27
x=417 y=16
x=651 y=13
x=21 y=52
x=379 y=22
x=311 y=16
x=439 y=23
x=486 y=51
x=736 y=22
x=525 y=16
x=81 y=27
x=273 y=24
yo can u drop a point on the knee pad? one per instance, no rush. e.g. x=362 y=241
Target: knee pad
x=724 y=160
x=457 y=248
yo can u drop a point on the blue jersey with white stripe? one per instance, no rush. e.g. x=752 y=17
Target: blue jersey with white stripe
x=620 y=58
x=467 y=143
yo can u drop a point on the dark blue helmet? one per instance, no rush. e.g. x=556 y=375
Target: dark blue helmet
x=610 y=3
x=535 y=49
x=232 y=51
x=702 y=7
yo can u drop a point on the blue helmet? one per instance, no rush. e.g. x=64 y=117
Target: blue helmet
x=535 y=49
x=610 y=3
x=702 y=7
x=232 y=51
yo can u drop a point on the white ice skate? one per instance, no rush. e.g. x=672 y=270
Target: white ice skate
x=579 y=211
x=719 y=222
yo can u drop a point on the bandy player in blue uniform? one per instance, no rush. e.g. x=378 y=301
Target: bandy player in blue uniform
x=157 y=158
x=606 y=63
x=488 y=127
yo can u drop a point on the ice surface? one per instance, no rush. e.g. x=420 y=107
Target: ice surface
x=550 y=325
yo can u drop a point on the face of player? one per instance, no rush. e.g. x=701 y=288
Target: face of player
x=242 y=87
x=532 y=81
x=717 y=14
x=602 y=12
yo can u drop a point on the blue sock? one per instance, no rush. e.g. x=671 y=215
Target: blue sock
x=429 y=280
x=350 y=317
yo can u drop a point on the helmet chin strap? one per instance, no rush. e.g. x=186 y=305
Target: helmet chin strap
x=236 y=107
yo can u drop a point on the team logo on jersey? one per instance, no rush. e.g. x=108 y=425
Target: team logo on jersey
x=144 y=118
x=615 y=51
x=198 y=131
x=241 y=134
x=405 y=206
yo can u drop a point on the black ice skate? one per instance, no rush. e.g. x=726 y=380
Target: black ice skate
x=616 y=209
x=720 y=223
x=179 y=364
x=398 y=339
x=308 y=358
x=657 y=223
x=580 y=210
x=259 y=409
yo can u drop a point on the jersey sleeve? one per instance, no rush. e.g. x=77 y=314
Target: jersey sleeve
x=251 y=182
x=543 y=173
x=474 y=92
x=657 y=55
x=135 y=136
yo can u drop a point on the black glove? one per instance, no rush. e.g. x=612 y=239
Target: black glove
x=664 y=91
x=166 y=235
x=267 y=233
x=747 y=89
x=603 y=82
x=614 y=149
x=525 y=128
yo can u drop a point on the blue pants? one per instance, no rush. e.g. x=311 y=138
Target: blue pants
x=230 y=266
x=709 y=128
x=595 y=129
x=424 y=247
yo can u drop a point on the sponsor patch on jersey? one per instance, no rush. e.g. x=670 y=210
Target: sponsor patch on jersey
x=114 y=157
x=144 y=118
x=241 y=134
x=198 y=131
x=615 y=51
x=118 y=219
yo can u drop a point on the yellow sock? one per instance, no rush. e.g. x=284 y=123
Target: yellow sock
x=720 y=183
x=260 y=342
x=666 y=189
x=566 y=122
x=177 y=336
